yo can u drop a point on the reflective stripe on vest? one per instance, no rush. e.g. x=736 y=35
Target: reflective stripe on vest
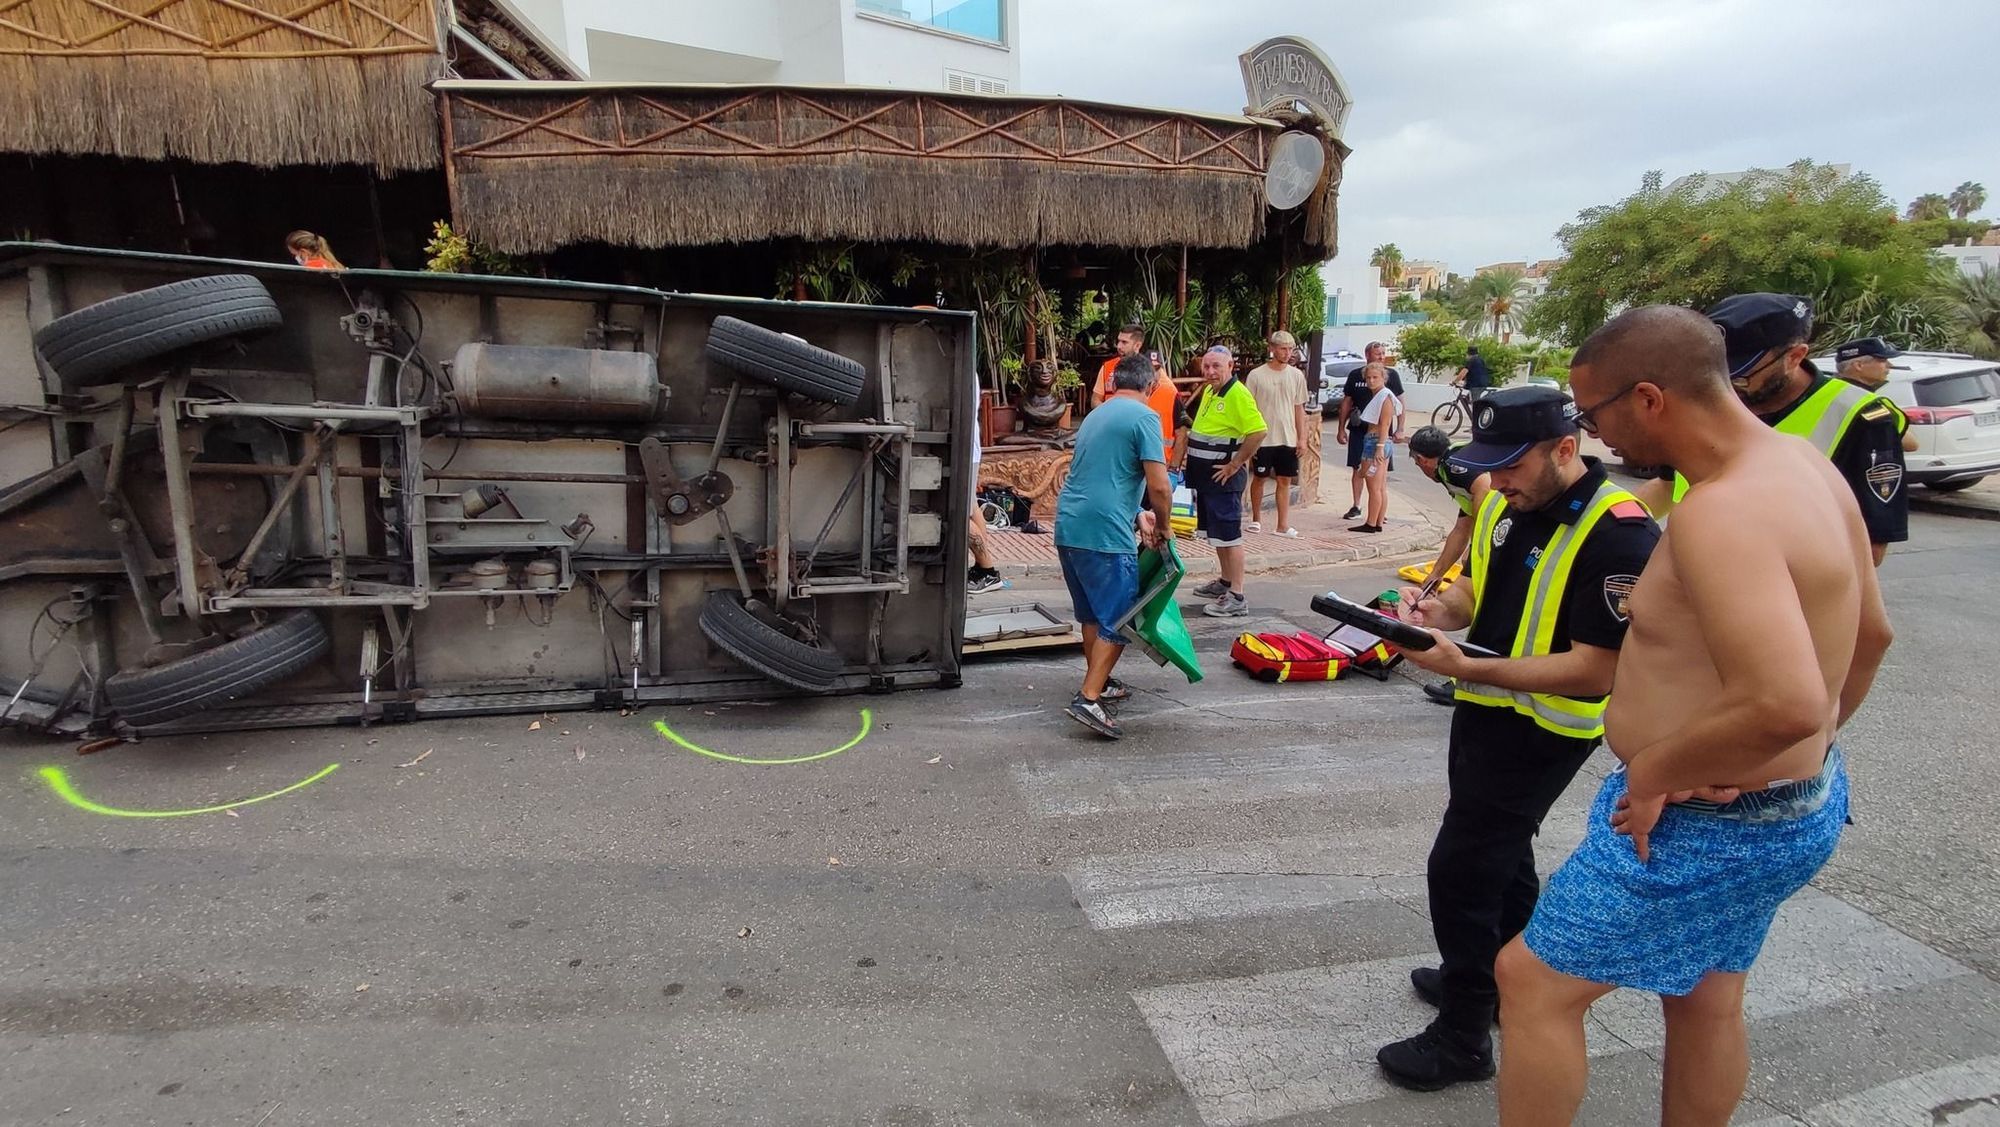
x=1565 y=716
x=1822 y=420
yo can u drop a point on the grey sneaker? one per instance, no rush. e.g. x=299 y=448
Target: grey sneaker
x=1115 y=692
x=1229 y=604
x=1091 y=714
x=981 y=582
x=1212 y=589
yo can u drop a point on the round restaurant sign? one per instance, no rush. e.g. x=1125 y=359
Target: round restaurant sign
x=1297 y=159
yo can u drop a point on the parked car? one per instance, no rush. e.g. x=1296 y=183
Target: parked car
x=1953 y=404
x=1333 y=383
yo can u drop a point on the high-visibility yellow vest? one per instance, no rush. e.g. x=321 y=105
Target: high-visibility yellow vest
x=1565 y=716
x=1822 y=420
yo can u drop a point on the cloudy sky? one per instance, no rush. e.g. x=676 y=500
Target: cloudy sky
x=1479 y=128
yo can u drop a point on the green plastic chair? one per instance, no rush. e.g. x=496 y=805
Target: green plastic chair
x=1155 y=624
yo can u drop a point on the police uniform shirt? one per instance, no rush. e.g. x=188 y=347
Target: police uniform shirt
x=1355 y=392
x=1870 y=457
x=1499 y=756
x=1457 y=481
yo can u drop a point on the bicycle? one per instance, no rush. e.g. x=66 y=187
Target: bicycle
x=1451 y=416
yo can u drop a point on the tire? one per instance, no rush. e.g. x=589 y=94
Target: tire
x=96 y=344
x=1953 y=486
x=1448 y=418
x=786 y=363
x=146 y=698
x=745 y=637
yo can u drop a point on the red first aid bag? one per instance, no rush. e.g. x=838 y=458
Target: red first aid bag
x=1288 y=657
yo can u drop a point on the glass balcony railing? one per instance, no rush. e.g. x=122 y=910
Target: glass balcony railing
x=979 y=19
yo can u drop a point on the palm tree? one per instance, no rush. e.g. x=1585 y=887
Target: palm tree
x=1930 y=205
x=1966 y=199
x=1974 y=304
x=1388 y=258
x=1496 y=302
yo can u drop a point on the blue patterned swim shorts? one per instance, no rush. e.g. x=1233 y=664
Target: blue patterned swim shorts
x=1706 y=900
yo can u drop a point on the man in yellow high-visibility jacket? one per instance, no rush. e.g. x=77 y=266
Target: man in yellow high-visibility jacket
x=1556 y=548
x=1765 y=335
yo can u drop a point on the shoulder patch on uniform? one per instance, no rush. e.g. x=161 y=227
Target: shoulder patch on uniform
x=1884 y=479
x=1630 y=510
x=1877 y=411
x=1618 y=595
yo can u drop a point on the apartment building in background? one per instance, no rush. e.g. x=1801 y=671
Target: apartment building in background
x=957 y=46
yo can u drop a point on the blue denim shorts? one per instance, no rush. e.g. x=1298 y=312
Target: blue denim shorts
x=1102 y=586
x=1717 y=876
x=1372 y=446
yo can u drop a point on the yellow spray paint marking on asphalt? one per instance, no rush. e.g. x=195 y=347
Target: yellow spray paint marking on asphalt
x=867 y=722
x=59 y=783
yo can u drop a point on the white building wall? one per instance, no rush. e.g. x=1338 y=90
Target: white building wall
x=1971 y=260
x=789 y=41
x=1358 y=284
x=881 y=51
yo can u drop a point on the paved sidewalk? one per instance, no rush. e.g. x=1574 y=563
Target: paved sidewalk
x=1420 y=513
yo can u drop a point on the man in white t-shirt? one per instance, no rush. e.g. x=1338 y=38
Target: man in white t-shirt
x=1280 y=391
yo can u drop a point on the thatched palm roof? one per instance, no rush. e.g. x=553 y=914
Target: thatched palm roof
x=264 y=82
x=535 y=166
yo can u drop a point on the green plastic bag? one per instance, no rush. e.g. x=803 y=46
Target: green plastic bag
x=1155 y=624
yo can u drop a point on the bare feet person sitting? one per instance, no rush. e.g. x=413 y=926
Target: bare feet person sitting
x=1757 y=629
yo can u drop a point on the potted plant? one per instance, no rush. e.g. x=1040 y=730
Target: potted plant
x=1069 y=385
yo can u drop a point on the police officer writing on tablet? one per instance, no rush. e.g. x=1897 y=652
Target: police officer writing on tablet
x=1765 y=335
x=1556 y=549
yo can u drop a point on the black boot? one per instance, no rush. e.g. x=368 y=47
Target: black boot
x=1442 y=692
x=1428 y=982
x=1436 y=1059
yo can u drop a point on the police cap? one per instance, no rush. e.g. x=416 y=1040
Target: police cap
x=1867 y=346
x=1507 y=423
x=1755 y=323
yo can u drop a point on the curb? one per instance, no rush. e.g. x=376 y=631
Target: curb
x=1952 y=508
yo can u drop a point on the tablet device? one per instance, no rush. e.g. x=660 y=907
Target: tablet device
x=1378 y=625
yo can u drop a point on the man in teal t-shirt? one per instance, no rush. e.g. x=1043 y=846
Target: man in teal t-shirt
x=1119 y=461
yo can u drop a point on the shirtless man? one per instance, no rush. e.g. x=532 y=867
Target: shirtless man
x=1756 y=630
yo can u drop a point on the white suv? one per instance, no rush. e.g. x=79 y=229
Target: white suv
x=1953 y=403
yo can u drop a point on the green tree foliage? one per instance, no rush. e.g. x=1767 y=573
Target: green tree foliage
x=1496 y=302
x=1504 y=362
x=1930 y=205
x=1804 y=230
x=1949 y=232
x=449 y=252
x=1388 y=258
x=1433 y=349
x=1405 y=303
x=1966 y=199
x=1308 y=302
x=1973 y=304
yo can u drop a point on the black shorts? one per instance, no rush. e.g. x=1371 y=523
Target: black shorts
x=1357 y=437
x=1275 y=461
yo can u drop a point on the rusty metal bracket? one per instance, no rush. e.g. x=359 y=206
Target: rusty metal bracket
x=681 y=500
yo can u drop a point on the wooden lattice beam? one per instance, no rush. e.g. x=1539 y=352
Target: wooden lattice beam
x=215 y=28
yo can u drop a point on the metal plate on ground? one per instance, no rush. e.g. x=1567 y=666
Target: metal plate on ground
x=1027 y=626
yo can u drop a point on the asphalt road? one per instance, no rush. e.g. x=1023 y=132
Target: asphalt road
x=978 y=914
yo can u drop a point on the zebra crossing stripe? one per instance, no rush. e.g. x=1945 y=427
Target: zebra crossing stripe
x=1258 y=1048
x=1962 y=1095
x=1150 y=782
